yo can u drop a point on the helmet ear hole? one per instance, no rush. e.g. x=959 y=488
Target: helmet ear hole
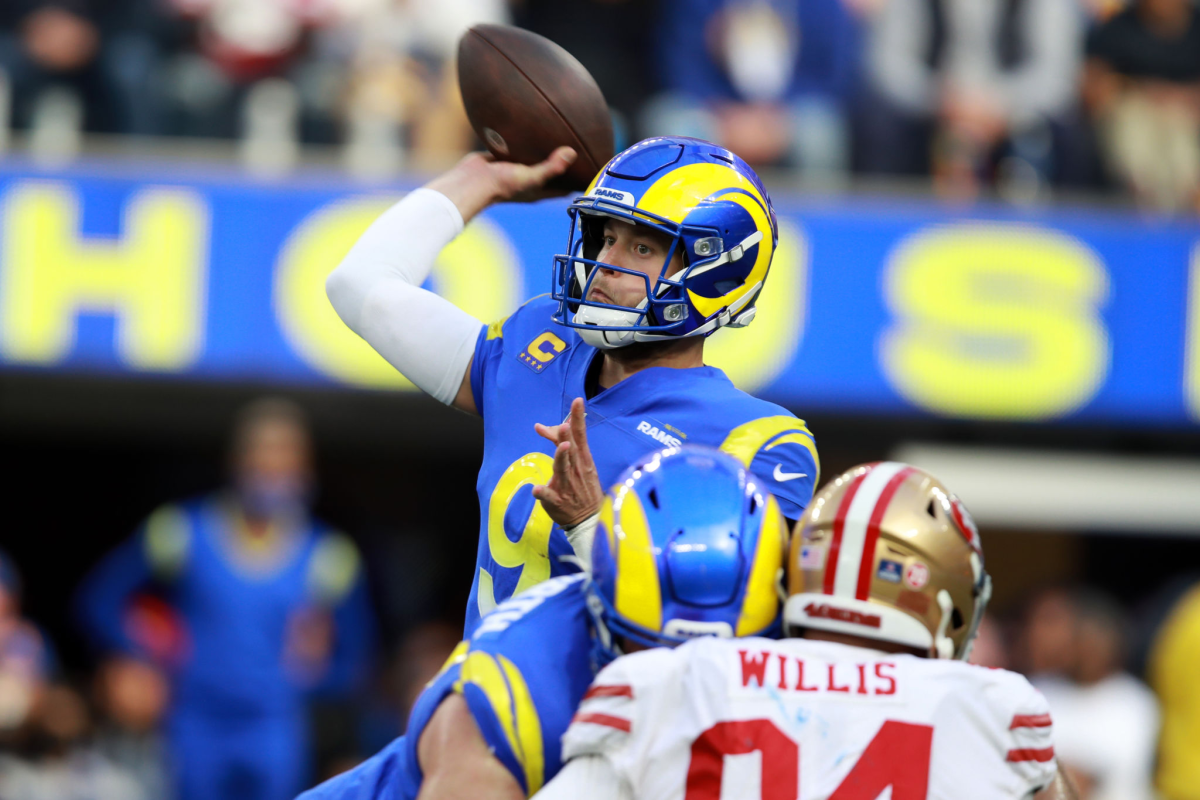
x=930 y=509
x=653 y=495
x=956 y=619
x=753 y=504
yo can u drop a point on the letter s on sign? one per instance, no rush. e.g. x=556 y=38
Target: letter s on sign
x=995 y=321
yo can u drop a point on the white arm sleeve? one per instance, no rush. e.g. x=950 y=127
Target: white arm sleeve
x=586 y=778
x=376 y=290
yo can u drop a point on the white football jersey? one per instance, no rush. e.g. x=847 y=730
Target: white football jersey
x=718 y=719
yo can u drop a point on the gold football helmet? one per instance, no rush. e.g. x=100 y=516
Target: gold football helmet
x=886 y=552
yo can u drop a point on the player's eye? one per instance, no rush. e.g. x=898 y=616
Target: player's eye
x=643 y=250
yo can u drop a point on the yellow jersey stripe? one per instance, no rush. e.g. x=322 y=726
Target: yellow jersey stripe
x=481 y=670
x=805 y=440
x=528 y=726
x=744 y=441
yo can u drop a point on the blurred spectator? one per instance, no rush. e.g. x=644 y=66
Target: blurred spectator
x=1172 y=672
x=260 y=606
x=102 y=52
x=421 y=655
x=51 y=758
x=969 y=90
x=394 y=61
x=1106 y=721
x=990 y=649
x=44 y=726
x=24 y=656
x=768 y=79
x=616 y=40
x=233 y=46
x=1049 y=635
x=1142 y=87
x=132 y=697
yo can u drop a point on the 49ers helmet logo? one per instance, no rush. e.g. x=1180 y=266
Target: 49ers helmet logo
x=965 y=523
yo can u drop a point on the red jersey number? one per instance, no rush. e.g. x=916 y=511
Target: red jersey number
x=898 y=757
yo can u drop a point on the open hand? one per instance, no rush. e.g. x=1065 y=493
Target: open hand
x=574 y=492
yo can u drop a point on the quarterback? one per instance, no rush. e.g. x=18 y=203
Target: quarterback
x=672 y=241
x=886 y=589
x=687 y=545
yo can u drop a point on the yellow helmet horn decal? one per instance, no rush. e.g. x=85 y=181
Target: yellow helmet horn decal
x=762 y=600
x=758 y=273
x=638 y=594
x=676 y=193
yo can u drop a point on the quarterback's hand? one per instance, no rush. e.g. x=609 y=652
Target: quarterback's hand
x=574 y=492
x=480 y=180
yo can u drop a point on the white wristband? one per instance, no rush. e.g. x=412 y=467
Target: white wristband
x=581 y=536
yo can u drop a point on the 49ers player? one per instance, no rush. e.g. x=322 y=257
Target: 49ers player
x=886 y=589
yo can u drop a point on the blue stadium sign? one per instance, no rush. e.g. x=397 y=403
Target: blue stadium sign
x=873 y=307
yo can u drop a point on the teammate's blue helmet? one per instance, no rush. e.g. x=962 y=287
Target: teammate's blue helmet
x=718 y=216
x=688 y=544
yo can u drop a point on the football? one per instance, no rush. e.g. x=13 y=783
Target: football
x=524 y=96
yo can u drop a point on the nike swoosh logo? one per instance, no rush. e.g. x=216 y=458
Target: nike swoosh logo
x=781 y=476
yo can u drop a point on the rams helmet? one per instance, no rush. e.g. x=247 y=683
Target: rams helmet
x=718 y=216
x=886 y=552
x=688 y=544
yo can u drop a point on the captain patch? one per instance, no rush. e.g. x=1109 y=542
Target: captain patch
x=541 y=351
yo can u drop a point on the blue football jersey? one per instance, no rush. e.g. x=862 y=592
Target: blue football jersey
x=527 y=369
x=522 y=675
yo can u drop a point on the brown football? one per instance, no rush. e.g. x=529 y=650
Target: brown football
x=525 y=96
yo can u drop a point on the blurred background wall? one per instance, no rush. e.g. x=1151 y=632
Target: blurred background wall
x=989 y=266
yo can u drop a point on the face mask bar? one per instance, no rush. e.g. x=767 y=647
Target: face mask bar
x=576 y=271
x=666 y=308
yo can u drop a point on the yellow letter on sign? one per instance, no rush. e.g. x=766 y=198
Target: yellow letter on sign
x=754 y=356
x=152 y=279
x=995 y=321
x=479 y=272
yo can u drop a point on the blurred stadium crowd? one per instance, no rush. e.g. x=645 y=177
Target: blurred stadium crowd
x=236 y=655
x=1017 y=96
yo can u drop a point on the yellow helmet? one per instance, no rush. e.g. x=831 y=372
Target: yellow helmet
x=886 y=552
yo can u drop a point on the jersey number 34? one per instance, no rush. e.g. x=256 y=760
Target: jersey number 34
x=898 y=757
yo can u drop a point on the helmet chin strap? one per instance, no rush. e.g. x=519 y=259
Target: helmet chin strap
x=607 y=317
x=943 y=644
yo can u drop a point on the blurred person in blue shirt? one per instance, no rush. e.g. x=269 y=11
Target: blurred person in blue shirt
x=248 y=605
x=769 y=79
